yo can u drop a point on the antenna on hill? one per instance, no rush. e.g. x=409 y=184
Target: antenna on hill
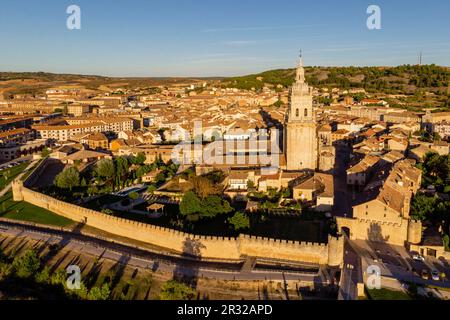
x=420 y=58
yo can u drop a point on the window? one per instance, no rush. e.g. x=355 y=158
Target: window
x=306 y=112
x=297 y=113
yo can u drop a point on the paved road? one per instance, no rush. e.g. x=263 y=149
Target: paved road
x=146 y=259
x=396 y=262
x=351 y=273
x=8 y=186
x=23 y=159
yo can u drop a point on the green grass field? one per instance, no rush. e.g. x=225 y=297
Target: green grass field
x=385 y=294
x=24 y=211
x=8 y=175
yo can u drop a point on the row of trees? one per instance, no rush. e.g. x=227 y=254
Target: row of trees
x=26 y=275
x=110 y=175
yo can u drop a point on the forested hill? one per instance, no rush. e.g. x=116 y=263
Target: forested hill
x=404 y=79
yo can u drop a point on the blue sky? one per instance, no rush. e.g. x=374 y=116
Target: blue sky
x=217 y=38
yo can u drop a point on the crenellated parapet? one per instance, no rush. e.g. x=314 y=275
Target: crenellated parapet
x=198 y=246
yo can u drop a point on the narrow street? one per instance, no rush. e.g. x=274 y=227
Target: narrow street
x=342 y=199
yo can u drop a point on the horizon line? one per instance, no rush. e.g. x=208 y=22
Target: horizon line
x=217 y=76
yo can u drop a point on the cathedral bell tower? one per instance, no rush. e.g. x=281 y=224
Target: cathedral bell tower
x=300 y=126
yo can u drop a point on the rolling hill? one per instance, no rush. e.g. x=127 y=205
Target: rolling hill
x=393 y=80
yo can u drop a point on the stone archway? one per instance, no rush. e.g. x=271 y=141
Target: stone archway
x=346 y=231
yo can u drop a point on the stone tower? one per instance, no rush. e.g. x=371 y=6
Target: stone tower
x=301 y=132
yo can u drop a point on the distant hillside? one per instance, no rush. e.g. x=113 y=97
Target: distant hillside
x=36 y=83
x=45 y=76
x=390 y=80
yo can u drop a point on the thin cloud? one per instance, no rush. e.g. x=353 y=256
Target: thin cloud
x=262 y=28
x=343 y=49
x=238 y=43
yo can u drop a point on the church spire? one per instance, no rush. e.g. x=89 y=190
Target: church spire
x=300 y=76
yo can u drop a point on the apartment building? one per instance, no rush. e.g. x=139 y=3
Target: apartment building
x=83 y=125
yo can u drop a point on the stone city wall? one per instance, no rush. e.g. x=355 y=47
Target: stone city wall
x=378 y=231
x=206 y=247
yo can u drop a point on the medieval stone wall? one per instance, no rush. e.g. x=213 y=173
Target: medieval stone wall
x=378 y=231
x=205 y=247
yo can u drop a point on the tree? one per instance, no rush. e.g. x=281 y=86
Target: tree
x=160 y=178
x=203 y=187
x=141 y=171
x=422 y=207
x=139 y=159
x=213 y=206
x=133 y=195
x=174 y=290
x=44 y=275
x=250 y=185
x=27 y=265
x=240 y=221
x=122 y=168
x=286 y=193
x=436 y=170
x=190 y=204
x=446 y=242
x=68 y=179
x=101 y=293
x=151 y=189
x=105 y=169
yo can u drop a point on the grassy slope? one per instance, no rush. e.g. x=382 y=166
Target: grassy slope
x=24 y=211
x=11 y=174
x=385 y=294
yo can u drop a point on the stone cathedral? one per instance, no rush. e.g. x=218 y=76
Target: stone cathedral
x=303 y=149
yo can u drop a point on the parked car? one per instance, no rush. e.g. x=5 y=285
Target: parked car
x=435 y=275
x=418 y=257
x=425 y=275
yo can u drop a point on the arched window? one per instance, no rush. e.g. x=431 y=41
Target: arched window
x=306 y=112
x=297 y=113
